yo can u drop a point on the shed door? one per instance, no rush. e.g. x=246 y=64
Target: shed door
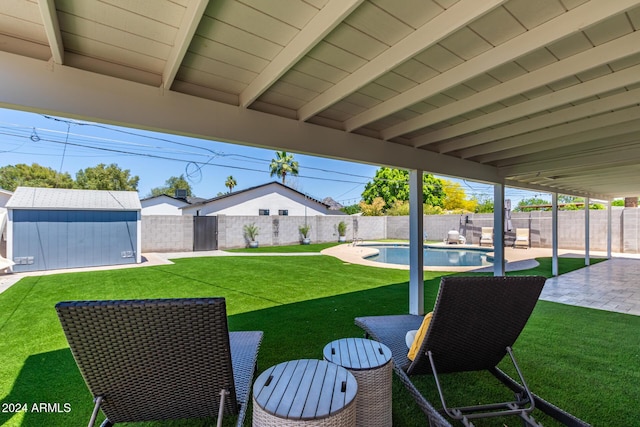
x=46 y=240
x=205 y=233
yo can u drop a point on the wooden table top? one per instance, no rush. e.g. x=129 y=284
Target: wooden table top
x=304 y=389
x=357 y=353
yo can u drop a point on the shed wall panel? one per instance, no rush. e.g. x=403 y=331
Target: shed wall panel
x=57 y=239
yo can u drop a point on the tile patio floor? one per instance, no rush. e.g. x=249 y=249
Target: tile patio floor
x=612 y=285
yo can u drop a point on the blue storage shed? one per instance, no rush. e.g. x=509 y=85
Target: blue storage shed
x=52 y=228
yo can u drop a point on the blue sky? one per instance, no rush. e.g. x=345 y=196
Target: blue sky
x=70 y=145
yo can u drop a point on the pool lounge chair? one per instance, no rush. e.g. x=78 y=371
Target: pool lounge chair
x=486 y=236
x=475 y=322
x=522 y=238
x=453 y=237
x=148 y=360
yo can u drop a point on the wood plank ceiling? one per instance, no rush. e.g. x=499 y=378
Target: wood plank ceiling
x=545 y=92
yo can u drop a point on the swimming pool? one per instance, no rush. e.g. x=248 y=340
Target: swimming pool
x=433 y=256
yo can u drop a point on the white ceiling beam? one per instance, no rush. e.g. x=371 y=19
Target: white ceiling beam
x=526 y=143
x=568 y=23
x=619 y=178
x=190 y=21
x=580 y=111
x=52 y=29
x=74 y=93
x=559 y=98
x=588 y=162
x=606 y=176
x=601 y=55
x=608 y=173
x=616 y=144
x=612 y=143
x=451 y=20
x=512 y=183
x=329 y=17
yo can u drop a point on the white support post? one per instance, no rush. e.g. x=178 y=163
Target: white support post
x=139 y=238
x=609 y=229
x=416 y=244
x=587 y=242
x=498 y=230
x=554 y=234
x=9 y=237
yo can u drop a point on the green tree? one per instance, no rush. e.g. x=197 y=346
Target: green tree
x=283 y=165
x=375 y=208
x=399 y=208
x=571 y=202
x=23 y=175
x=563 y=198
x=456 y=198
x=533 y=201
x=393 y=184
x=351 y=209
x=103 y=177
x=230 y=183
x=171 y=185
x=484 y=205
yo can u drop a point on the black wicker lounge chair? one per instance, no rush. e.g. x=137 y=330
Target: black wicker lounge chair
x=146 y=360
x=475 y=322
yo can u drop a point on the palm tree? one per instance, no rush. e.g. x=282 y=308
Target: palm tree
x=283 y=164
x=230 y=183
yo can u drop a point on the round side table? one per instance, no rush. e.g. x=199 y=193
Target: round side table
x=370 y=362
x=305 y=393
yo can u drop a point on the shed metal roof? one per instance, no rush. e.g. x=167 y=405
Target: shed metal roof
x=66 y=199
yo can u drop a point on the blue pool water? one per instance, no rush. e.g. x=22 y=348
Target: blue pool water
x=435 y=257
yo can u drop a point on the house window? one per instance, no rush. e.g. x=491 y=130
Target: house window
x=283 y=212
x=263 y=212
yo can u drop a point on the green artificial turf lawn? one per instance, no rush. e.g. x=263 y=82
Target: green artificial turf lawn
x=585 y=361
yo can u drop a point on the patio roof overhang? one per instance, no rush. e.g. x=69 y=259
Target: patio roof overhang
x=542 y=95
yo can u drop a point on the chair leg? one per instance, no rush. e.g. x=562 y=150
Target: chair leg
x=466 y=414
x=223 y=393
x=96 y=408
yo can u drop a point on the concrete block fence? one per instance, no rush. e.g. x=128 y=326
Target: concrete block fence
x=175 y=233
x=167 y=233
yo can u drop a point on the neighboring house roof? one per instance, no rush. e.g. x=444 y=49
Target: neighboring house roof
x=246 y=190
x=333 y=205
x=66 y=199
x=4 y=197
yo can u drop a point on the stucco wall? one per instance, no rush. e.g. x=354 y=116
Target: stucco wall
x=272 y=197
x=4 y=198
x=162 y=206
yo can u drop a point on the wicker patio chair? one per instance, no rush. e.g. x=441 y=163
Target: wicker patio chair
x=160 y=359
x=475 y=322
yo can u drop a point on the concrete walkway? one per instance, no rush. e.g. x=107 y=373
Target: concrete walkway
x=611 y=285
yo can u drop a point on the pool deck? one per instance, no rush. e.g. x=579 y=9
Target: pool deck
x=517 y=259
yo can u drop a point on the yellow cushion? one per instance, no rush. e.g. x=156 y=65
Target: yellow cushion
x=422 y=331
